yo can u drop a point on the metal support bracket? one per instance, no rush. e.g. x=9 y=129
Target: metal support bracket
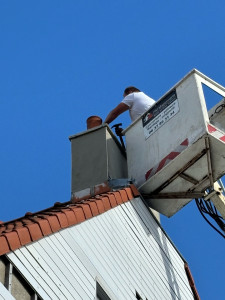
x=119 y=182
x=178 y=195
x=180 y=172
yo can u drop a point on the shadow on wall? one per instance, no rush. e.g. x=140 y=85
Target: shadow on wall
x=164 y=247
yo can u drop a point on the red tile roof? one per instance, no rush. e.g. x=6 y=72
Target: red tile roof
x=34 y=226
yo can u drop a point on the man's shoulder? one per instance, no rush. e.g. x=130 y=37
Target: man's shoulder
x=129 y=96
x=129 y=99
x=142 y=95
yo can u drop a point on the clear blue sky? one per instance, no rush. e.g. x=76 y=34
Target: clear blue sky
x=62 y=61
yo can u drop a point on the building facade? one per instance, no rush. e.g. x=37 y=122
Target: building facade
x=107 y=247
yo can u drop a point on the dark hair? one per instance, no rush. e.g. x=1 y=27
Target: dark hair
x=130 y=89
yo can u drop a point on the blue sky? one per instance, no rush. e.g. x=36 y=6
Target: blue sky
x=62 y=61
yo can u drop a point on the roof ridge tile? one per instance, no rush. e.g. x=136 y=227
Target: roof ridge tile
x=71 y=218
x=106 y=203
x=118 y=198
x=93 y=207
x=124 y=196
x=53 y=222
x=100 y=205
x=111 y=198
x=4 y=245
x=86 y=209
x=13 y=240
x=79 y=213
x=24 y=235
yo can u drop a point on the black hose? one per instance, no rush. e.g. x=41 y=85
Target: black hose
x=212 y=212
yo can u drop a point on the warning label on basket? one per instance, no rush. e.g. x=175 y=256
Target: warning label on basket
x=160 y=113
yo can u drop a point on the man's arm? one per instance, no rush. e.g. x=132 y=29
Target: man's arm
x=119 y=109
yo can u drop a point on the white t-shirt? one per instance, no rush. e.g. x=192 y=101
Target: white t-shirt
x=138 y=103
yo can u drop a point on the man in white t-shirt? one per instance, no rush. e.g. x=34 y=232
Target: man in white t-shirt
x=136 y=101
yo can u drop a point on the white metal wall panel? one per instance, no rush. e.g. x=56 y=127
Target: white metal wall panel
x=124 y=249
x=35 y=273
x=172 y=264
x=55 y=264
x=157 y=233
x=4 y=293
x=137 y=258
x=52 y=272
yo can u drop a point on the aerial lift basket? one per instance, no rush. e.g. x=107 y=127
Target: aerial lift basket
x=176 y=150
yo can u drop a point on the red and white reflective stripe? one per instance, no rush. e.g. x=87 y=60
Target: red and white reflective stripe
x=167 y=159
x=216 y=133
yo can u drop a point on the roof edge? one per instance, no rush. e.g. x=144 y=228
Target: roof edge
x=34 y=226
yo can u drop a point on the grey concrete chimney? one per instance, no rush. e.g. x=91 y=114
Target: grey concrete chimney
x=97 y=156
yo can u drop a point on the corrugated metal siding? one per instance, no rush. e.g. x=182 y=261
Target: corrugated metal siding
x=124 y=249
x=4 y=293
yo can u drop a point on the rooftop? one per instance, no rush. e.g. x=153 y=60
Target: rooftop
x=34 y=226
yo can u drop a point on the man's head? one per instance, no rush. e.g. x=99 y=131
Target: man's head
x=129 y=90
